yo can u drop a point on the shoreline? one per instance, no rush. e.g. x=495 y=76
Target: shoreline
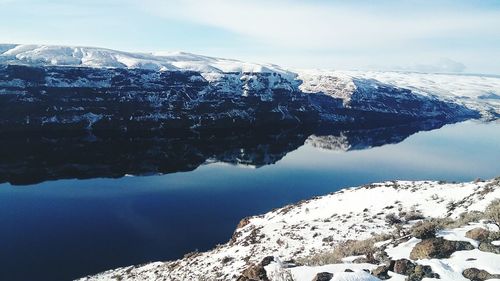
x=311 y=226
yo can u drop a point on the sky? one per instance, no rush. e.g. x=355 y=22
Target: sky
x=410 y=35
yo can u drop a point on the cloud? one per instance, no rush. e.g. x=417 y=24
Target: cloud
x=339 y=34
x=444 y=65
x=326 y=25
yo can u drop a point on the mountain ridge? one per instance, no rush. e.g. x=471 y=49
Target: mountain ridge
x=82 y=88
x=58 y=55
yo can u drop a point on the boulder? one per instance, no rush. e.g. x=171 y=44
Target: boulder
x=381 y=272
x=403 y=266
x=420 y=272
x=478 y=233
x=255 y=272
x=475 y=274
x=438 y=248
x=323 y=276
x=267 y=260
x=488 y=247
x=415 y=272
x=348 y=270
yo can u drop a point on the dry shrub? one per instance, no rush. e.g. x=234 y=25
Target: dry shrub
x=412 y=215
x=425 y=229
x=345 y=249
x=492 y=212
x=392 y=219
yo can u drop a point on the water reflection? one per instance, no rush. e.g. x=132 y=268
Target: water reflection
x=30 y=159
x=65 y=229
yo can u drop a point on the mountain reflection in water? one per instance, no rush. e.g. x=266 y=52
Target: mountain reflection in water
x=30 y=159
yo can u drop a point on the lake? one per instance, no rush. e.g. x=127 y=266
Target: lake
x=193 y=191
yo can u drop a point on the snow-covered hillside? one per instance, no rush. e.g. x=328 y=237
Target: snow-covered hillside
x=481 y=93
x=272 y=246
x=59 y=87
x=48 y=55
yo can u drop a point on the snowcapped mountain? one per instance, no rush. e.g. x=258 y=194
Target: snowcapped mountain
x=46 y=55
x=481 y=93
x=58 y=87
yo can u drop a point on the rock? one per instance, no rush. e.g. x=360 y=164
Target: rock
x=226 y=259
x=244 y=278
x=348 y=270
x=420 y=272
x=432 y=248
x=403 y=266
x=438 y=248
x=414 y=271
x=267 y=260
x=368 y=259
x=488 y=247
x=323 y=276
x=475 y=274
x=381 y=257
x=255 y=272
x=381 y=272
x=463 y=246
x=494 y=235
x=244 y=222
x=478 y=233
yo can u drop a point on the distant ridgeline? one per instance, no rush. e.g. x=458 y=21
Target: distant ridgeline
x=62 y=98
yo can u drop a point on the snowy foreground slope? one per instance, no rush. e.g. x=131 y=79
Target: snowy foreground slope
x=59 y=87
x=288 y=243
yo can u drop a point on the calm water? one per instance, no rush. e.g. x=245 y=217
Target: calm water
x=68 y=228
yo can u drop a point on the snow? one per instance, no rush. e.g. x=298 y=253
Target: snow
x=100 y=57
x=352 y=258
x=334 y=84
x=308 y=272
x=477 y=92
x=458 y=234
x=451 y=269
x=403 y=250
x=316 y=225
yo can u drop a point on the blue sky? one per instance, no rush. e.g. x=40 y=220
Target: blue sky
x=440 y=36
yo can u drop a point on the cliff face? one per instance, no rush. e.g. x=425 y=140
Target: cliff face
x=136 y=99
x=46 y=98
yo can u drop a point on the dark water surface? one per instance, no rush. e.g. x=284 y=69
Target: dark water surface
x=68 y=228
